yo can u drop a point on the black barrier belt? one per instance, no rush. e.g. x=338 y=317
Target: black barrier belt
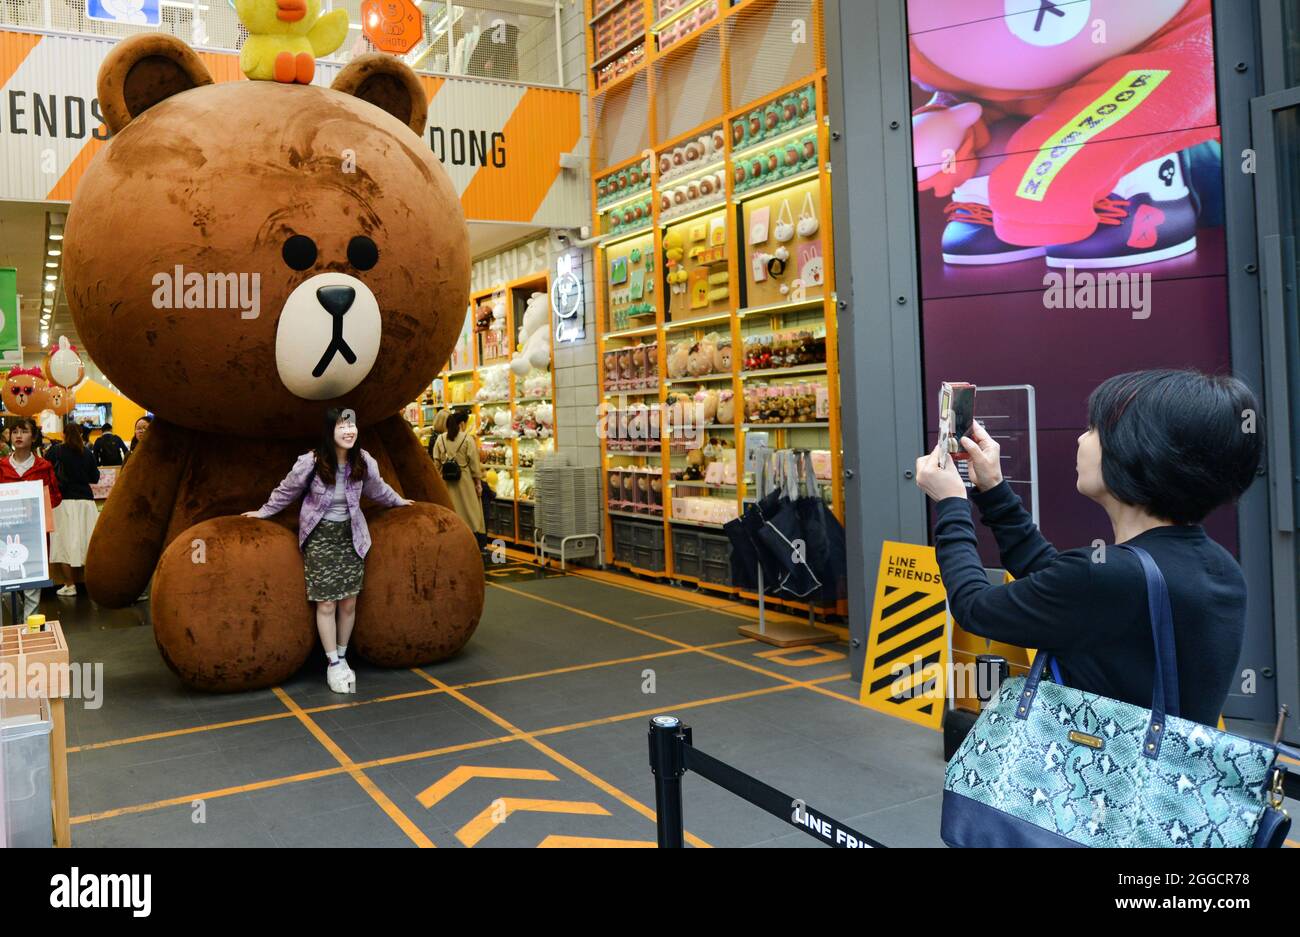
x=783 y=806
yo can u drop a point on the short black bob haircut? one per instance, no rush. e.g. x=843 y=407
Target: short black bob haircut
x=1176 y=443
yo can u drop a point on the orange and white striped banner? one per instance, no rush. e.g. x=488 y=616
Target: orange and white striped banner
x=499 y=142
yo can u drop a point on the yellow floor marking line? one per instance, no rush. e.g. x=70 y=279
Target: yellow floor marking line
x=555 y=841
x=404 y=823
x=465 y=773
x=545 y=749
x=189 y=799
x=173 y=733
x=500 y=809
x=412 y=694
x=645 y=713
x=428 y=753
x=658 y=637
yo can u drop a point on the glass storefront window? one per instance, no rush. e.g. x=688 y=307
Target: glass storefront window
x=481 y=38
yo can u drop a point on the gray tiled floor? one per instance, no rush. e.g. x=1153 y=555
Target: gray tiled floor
x=878 y=774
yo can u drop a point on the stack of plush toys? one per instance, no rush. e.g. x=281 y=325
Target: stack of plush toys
x=635 y=367
x=690 y=358
x=494 y=384
x=684 y=161
x=48 y=389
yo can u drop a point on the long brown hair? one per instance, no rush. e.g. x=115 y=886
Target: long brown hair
x=72 y=438
x=327 y=458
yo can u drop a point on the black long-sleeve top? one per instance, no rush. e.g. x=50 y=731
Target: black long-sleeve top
x=1092 y=616
x=77 y=472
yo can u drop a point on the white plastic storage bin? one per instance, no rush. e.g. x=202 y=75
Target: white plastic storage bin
x=26 y=813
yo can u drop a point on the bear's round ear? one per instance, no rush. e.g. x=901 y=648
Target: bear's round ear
x=143 y=70
x=387 y=83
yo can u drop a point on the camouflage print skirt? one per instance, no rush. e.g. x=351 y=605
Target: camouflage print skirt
x=334 y=570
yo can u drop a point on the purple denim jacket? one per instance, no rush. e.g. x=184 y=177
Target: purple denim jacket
x=316 y=500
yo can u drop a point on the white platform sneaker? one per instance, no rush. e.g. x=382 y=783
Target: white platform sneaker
x=341 y=678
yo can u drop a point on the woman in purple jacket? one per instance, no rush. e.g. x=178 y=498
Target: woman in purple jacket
x=331 y=480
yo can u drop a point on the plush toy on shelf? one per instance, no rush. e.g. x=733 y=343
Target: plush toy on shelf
x=534 y=336
x=679 y=359
x=545 y=414
x=496 y=383
x=498 y=313
x=538 y=384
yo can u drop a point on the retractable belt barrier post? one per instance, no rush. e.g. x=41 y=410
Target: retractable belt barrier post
x=672 y=754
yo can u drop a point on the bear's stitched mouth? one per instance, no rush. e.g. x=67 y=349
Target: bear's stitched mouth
x=328 y=336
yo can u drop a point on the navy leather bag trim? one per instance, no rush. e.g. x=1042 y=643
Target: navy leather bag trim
x=968 y=823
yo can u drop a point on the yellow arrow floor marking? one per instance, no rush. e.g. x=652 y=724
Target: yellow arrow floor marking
x=463 y=773
x=486 y=821
x=555 y=841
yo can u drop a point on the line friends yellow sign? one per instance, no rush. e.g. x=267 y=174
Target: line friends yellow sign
x=907 y=644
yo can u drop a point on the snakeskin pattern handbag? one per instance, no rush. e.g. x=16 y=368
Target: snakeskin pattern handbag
x=1048 y=765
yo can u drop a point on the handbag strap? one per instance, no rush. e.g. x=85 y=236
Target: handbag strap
x=809 y=208
x=1164 y=696
x=784 y=214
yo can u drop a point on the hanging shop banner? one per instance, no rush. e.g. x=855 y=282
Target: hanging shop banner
x=23 y=523
x=500 y=143
x=11 y=348
x=907 y=644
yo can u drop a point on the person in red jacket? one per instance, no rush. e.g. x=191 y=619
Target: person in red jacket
x=22 y=464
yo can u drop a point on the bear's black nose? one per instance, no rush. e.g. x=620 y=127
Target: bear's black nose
x=336 y=299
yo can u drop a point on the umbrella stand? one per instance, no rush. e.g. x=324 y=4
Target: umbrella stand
x=780 y=633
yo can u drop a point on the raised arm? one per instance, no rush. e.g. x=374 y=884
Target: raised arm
x=1056 y=607
x=291 y=488
x=415 y=470
x=129 y=535
x=1022 y=547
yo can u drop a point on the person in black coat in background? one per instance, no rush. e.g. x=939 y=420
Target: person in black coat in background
x=109 y=448
x=1162 y=450
x=75 y=517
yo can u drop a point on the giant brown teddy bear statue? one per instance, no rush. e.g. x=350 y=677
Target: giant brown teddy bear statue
x=289 y=189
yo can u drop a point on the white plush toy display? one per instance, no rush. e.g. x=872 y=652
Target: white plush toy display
x=496 y=383
x=538 y=384
x=545 y=420
x=498 y=313
x=501 y=423
x=534 y=336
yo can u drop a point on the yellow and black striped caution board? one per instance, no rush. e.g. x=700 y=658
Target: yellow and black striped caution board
x=907 y=645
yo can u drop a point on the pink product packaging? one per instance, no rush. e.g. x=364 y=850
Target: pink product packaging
x=823 y=402
x=821 y=462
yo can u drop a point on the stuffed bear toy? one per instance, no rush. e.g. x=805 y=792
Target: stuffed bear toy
x=700 y=360
x=679 y=359
x=246 y=179
x=722 y=356
x=534 y=336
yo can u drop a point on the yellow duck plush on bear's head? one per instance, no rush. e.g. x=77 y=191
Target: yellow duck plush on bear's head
x=285 y=37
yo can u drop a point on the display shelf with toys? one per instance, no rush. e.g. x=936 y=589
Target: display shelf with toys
x=501 y=371
x=736 y=297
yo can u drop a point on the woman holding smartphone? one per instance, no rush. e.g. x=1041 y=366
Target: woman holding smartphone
x=1162 y=450
x=331 y=480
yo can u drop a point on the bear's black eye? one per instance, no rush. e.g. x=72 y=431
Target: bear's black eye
x=299 y=252
x=362 y=252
